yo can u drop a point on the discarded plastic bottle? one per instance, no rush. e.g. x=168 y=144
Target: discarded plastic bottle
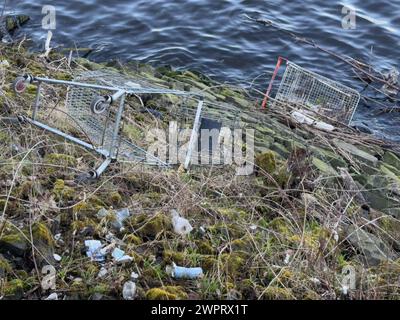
x=184 y=273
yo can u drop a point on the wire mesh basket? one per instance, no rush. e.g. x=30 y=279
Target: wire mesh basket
x=307 y=89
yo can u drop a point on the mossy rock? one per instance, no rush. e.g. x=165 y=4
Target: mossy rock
x=391 y=159
x=5 y=266
x=90 y=206
x=166 y=293
x=276 y=293
x=115 y=198
x=14 y=289
x=204 y=247
x=234 y=264
x=170 y=256
x=14 y=242
x=133 y=239
x=62 y=192
x=280 y=225
x=60 y=161
x=266 y=162
x=244 y=244
x=324 y=168
x=209 y=263
x=150 y=227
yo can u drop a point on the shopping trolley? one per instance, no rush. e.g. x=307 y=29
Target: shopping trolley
x=95 y=103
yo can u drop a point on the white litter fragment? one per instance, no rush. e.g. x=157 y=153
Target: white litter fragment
x=301 y=118
x=315 y=281
x=129 y=290
x=53 y=296
x=94 y=250
x=120 y=256
x=120 y=216
x=287 y=258
x=253 y=227
x=335 y=236
x=134 y=276
x=184 y=273
x=57 y=257
x=102 y=273
x=181 y=225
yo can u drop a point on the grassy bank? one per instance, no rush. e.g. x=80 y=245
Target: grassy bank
x=318 y=205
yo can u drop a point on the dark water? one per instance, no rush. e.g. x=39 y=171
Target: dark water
x=212 y=36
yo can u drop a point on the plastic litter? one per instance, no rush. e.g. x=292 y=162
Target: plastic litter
x=301 y=118
x=120 y=216
x=134 y=276
x=183 y=272
x=94 y=250
x=181 y=225
x=53 y=296
x=102 y=273
x=120 y=256
x=129 y=290
x=57 y=257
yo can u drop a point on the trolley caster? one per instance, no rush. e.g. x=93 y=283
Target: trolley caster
x=100 y=104
x=87 y=177
x=21 y=82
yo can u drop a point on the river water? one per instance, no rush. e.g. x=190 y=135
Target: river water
x=214 y=37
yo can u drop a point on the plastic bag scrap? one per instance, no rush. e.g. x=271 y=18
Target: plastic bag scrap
x=184 y=273
x=301 y=118
x=97 y=252
x=94 y=250
x=120 y=256
x=181 y=225
x=120 y=216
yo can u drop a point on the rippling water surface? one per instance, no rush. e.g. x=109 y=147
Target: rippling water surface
x=212 y=36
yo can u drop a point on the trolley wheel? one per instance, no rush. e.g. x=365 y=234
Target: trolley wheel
x=19 y=85
x=99 y=105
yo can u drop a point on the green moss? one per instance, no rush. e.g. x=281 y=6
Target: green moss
x=166 y=293
x=5 y=266
x=266 y=162
x=59 y=161
x=133 y=132
x=280 y=225
x=276 y=293
x=102 y=288
x=208 y=263
x=41 y=233
x=90 y=206
x=204 y=247
x=170 y=256
x=244 y=244
x=133 y=239
x=62 y=192
x=14 y=287
x=15 y=242
x=115 y=198
x=150 y=227
x=234 y=263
